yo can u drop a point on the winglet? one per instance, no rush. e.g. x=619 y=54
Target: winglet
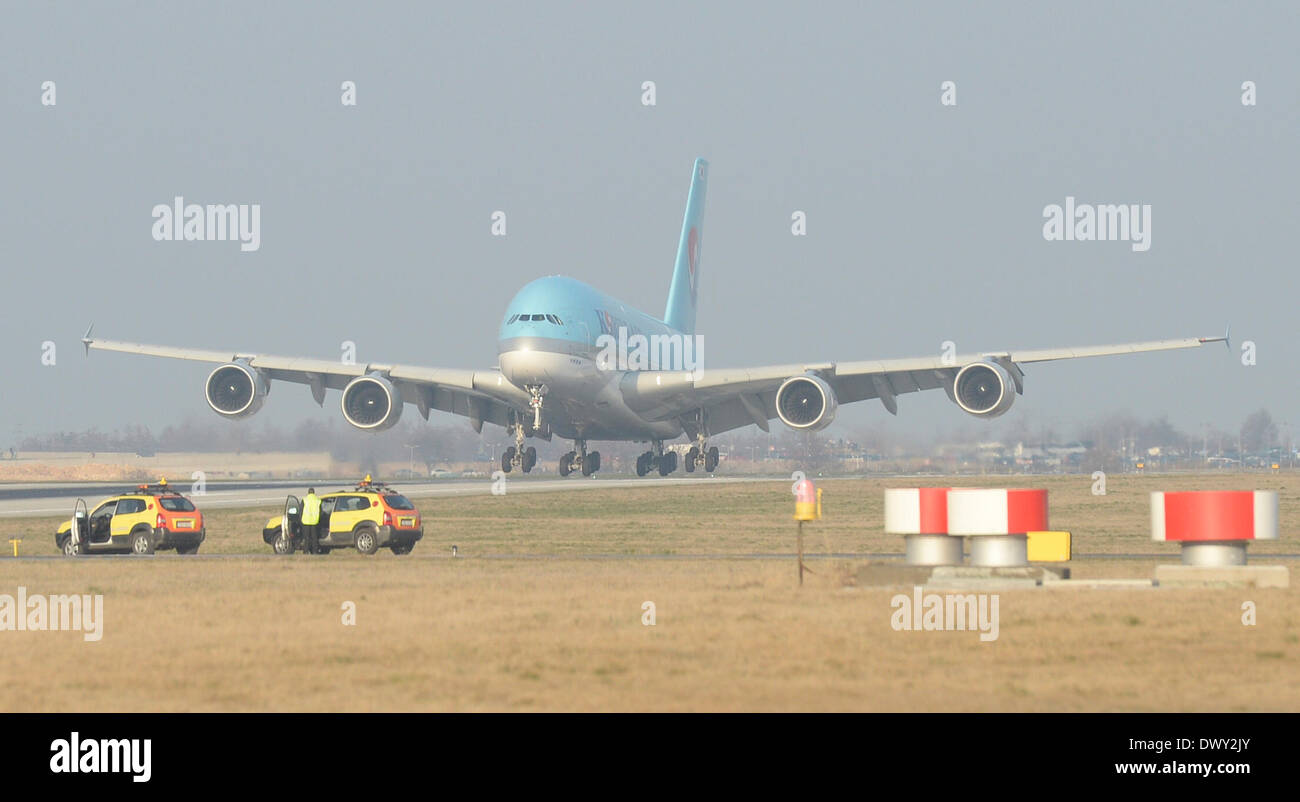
x=1226 y=339
x=85 y=339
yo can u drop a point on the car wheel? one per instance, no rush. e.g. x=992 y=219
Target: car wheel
x=367 y=541
x=142 y=542
x=188 y=549
x=282 y=544
x=68 y=548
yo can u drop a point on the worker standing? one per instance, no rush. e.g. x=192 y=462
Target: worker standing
x=311 y=521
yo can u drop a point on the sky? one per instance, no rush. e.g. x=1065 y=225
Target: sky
x=924 y=220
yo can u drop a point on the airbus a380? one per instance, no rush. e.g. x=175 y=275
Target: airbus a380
x=555 y=378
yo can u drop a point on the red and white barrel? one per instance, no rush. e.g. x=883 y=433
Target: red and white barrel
x=996 y=521
x=1214 y=526
x=920 y=514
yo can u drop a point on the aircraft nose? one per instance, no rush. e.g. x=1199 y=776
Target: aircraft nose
x=521 y=366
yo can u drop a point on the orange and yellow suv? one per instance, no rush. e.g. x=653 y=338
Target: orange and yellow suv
x=368 y=517
x=139 y=521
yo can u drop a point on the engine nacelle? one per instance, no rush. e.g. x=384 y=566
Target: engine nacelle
x=984 y=389
x=806 y=403
x=371 y=402
x=236 y=390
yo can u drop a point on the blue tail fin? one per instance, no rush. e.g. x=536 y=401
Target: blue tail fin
x=680 y=313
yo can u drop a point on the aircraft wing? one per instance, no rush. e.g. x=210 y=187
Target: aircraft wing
x=732 y=398
x=480 y=395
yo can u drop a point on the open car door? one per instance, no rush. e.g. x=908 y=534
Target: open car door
x=290 y=526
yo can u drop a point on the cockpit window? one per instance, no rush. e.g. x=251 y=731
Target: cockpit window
x=553 y=319
x=538 y=318
x=512 y=319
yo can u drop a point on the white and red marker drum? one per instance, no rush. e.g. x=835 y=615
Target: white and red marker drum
x=996 y=521
x=1214 y=526
x=920 y=514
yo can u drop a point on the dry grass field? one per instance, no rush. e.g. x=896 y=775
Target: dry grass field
x=527 y=619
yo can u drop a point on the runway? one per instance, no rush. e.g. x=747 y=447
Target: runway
x=445 y=554
x=42 y=499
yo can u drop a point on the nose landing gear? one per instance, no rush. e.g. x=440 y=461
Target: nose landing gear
x=517 y=456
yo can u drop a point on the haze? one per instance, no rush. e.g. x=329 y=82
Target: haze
x=924 y=221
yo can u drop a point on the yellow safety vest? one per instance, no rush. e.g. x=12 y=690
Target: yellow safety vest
x=311 y=510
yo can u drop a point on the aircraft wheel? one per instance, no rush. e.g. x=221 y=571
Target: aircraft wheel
x=642 y=465
x=667 y=463
x=594 y=458
x=530 y=459
x=508 y=459
x=711 y=460
x=566 y=464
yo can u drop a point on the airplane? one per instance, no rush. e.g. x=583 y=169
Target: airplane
x=555 y=376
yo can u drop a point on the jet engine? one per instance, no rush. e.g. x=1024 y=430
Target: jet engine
x=984 y=389
x=806 y=403
x=236 y=390
x=371 y=402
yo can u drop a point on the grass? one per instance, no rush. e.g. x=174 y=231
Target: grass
x=550 y=629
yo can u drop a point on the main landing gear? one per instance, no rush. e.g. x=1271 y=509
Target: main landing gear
x=702 y=456
x=580 y=460
x=657 y=459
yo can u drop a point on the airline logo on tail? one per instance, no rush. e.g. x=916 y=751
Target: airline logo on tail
x=679 y=313
x=693 y=239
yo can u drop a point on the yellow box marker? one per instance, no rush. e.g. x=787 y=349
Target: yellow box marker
x=1049 y=547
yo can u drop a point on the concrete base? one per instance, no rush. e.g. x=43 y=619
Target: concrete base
x=1226 y=576
x=956 y=576
x=1206 y=552
x=992 y=584
x=933 y=550
x=992 y=578
x=998 y=551
x=1102 y=584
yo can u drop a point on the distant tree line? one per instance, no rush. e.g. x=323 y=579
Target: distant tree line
x=1110 y=439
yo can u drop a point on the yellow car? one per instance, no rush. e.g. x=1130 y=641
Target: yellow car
x=368 y=517
x=142 y=521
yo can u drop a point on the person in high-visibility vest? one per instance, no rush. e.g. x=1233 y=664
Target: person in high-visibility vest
x=311 y=520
